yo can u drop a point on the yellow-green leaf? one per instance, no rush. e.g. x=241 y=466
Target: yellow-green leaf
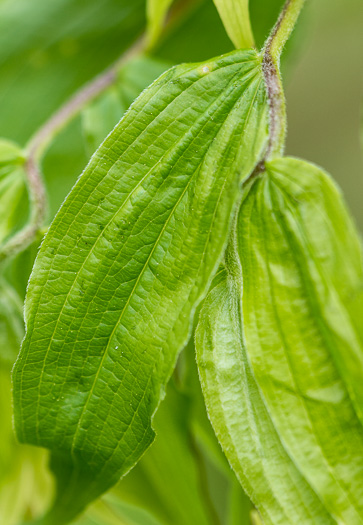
x=236 y=19
x=156 y=12
x=125 y=263
x=302 y=270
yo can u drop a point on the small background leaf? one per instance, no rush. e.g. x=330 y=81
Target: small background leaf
x=13 y=194
x=236 y=20
x=156 y=13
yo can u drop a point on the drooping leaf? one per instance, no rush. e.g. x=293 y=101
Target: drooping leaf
x=101 y=116
x=123 y=266
x=236 y=19
x=239 y=416
x=302 y=307
x=12 y=188
x=156 y=13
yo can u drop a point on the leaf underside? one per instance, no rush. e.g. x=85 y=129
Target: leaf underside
x=302 y=306
x=280 y=349
x=239 y=416
x=127 y=259
x=310 y=279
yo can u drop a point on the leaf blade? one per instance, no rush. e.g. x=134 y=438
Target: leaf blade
x=148 y=230
x=291 y=284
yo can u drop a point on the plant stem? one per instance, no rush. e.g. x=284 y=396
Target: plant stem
x=271 y=69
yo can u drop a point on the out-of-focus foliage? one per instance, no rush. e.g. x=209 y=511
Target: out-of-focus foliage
x=13 y=201
x=236 y=20
x=49 y=49
x=156 y=13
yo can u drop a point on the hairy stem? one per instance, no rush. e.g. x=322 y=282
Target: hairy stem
x=271 y=69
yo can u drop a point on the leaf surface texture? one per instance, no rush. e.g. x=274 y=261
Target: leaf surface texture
x=238 y=413
x=127 y=259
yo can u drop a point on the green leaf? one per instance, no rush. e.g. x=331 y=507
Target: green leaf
x=236 y=19
x=101 y=116
x=127 y=259
x=238 y=414
x=13 y=198
x=302 y=306
x=156 y=13
x=11 y=323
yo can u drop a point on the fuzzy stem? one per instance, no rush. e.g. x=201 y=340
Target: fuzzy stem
x=271 y=69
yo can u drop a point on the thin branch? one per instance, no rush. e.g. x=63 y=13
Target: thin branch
x=38 y=205
x=275 y=93
x=271 y=69
x=283 y=29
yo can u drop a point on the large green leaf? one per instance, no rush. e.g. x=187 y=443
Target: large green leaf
x=238 y=414
x=126 y=261
x=302 y=307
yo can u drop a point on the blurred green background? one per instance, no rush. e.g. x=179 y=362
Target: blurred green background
x=325 y=93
